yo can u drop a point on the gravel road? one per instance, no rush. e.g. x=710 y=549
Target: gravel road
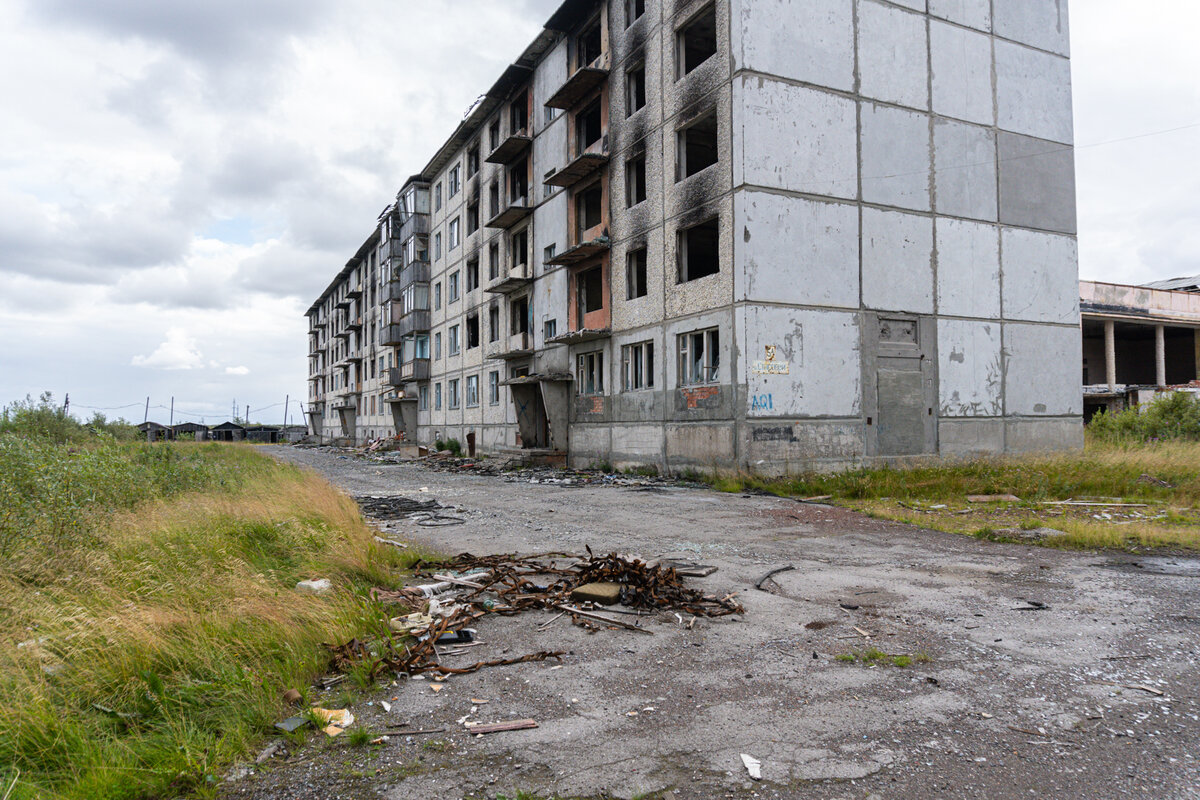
x=1002 y=701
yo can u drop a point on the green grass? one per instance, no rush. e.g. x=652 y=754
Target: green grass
x=873 y=655
x=153 y=589
x=1165 y=475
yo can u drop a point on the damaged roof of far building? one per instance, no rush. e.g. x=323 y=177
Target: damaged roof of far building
x=1190 y=284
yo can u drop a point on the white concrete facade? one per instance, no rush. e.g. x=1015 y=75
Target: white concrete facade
x=890 y=212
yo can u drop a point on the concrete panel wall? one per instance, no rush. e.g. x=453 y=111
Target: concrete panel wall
x=1039 y=23
x=893 y=55
x=895 y=157
x=964 y=158
x=1032 y=388
x=795 y=250
x=781 y=447
x=1033 y=93
x=970 y=369
x=961 y=65
x=811 y=41
x=967 y=437
x=968 y=272
x=972 y=13
x=1040 y=277
x=1037 y=184
x=1043 y=435
x=821 y=352
x=897 y=261
x=701 y=446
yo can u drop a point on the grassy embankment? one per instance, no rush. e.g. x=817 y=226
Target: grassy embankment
x=148 y=621
x=1150 y=457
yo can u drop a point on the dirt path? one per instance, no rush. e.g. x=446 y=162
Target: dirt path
x=1011 y=703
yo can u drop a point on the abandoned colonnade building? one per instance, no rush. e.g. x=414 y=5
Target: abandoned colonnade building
x=764 y=234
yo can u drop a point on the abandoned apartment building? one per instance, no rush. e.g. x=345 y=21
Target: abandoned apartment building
x=764 y=234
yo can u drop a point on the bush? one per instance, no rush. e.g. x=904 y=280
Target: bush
x=1172 y=415
x=454 y=447
x=45 y=419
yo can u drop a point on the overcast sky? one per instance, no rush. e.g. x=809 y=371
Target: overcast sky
x=179 y=180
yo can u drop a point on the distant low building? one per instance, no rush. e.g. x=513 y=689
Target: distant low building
x=190 y=430
x=154 y=431
x=227 y=432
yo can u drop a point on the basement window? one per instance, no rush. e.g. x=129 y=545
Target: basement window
x=699 y=357
x=472 y=331
x=697 y=146
x=696 y=42
x=587 y=127
x=635 y=180
x=698 y=252
x=635 y=274
x=635 y=89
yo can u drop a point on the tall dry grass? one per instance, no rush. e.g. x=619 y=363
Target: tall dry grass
x=156 y=654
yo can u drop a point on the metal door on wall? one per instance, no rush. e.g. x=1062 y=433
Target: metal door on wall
x=899 y=385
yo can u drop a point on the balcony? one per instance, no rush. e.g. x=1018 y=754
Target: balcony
x=412 y=322
x=580 y=336
x=515 y=346
x=510 y=148
x=354 y=324
x=343 y=303
x=511 y=279
x=517 y=210
x=415 y=225
x=344 y=333
x=408 y=371
x=416 y=272
x=583 y=81
x=582 y=166
x=355 y=291
x=344 y=402
x=580 y=252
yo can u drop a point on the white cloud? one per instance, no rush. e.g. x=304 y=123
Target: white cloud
x=237 y=370
x=179 y=351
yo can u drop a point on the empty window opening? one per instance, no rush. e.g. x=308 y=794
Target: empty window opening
x=493 y=200
x=493 y=262
x=454 y=181
x=588 y=209
x=520 y=248
x=452 y=393
x=699 y=251
x=473 y=217
x=696 y=42
x=493 y=323
x=697 y=146
x=589 y=286
x=635 y=89
x=473 y=160
x=518 y=182
x=635 y=274
x=493 y=388
x=518 y=116
x=637 y=366
x=699 y=357
x=472 y=331
x=590 y=373
x=633 y=11
x=473 y=274
x=472 y=391
x=494 y=134
x=519 y=312
x=635 y=180
x=589 y=44
x=587 y=127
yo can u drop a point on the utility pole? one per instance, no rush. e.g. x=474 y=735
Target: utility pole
x=66 y=404
x=247 y=413
x=172 y=425
x=286 y=398
x=146 y=416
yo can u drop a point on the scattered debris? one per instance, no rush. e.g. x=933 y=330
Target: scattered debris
x=1034 y=605
x=848 y=606
x=604 y=593
x=319 y=586
x=759 y=583
x=753 y=766
x=1153 y=481
x=269 y=752
x=579 y=612
x=993 y=498
x=498 y=727
x=292 y=697
x=292 y=724
x=1093 y=504
x=688 y=569
x=336 y=720
x=1139 y=686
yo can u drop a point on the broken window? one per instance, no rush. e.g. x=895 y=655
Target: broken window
x=472 y=397
x=519 y=313
x=494 y=388
x=518 y=182
x=698 y=251
x=494 y=134
x=588 y=45
x=437 y=296
x=493 y=261
x=590 y=373
x=635 y=88
x=453 y=345
x=437 y=246
x=699 y=357
x=472 y=274
x=588 y=209
x=473 y=160
x=548 y=252
x=452 y=398
x=493 y=323
x=455 y=233
x=635 y=274
x=423 y=398
x=633 y=11
x=589 y=289
x=637 y=366
x=437 y=397
x=493 y=200
x=519 y=244
x=588 y=127
x=635 y=180
x=472 y=331
x=696 y=42
x=452 y=287
x=549 y=329
x=437 y=346
x=518 y=116
x=437 y=197
x=473 y=217
x=697 y=146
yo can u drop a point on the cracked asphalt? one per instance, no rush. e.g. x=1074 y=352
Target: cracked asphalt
x=999 y=701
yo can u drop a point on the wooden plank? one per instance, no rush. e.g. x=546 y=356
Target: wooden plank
x=497 y=727
x=601 y=618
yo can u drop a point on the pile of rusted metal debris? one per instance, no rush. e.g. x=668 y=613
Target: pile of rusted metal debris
x=461 y=590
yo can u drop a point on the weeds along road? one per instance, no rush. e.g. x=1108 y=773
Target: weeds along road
x=1010 y=702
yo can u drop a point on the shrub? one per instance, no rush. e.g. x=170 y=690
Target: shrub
x=1171 y=415
x=454 y=447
